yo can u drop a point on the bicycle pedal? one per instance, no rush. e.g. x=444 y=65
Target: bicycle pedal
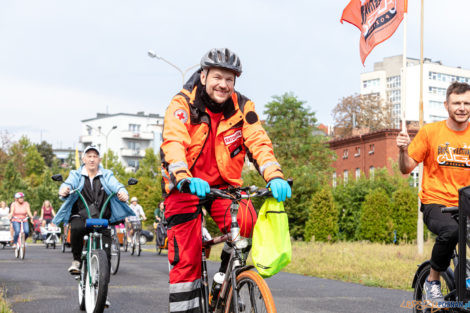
x=77 y=277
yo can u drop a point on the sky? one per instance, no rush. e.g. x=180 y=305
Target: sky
x=64 y=61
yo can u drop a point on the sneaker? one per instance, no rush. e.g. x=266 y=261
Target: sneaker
x=107 y=304
x=13 y=246
x=432 y=294
x=74 y=269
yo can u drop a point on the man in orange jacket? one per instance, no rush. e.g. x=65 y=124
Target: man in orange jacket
x=209 y=128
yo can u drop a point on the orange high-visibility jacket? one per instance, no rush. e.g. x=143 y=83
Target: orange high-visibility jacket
x=186 y=128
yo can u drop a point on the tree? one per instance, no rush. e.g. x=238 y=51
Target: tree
x=303 y=153
x=376 y=221
x=322 y=223
x=149 y=166
x=405 y=213
x=45 y=149
x=34 y=162
x=362 y=111
x=113 y=163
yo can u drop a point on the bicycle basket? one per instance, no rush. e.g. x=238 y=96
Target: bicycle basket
x=136 y=225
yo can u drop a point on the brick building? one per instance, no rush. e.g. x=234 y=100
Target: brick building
x=362 y=153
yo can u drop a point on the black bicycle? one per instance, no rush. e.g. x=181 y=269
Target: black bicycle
x=453 y=281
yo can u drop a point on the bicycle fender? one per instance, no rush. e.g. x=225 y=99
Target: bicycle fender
x=448 y=272
x=418 y=271
x=243 y=269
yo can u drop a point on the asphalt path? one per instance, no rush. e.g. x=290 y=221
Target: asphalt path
x=40 y=283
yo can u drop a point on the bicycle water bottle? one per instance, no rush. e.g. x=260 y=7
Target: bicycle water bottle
x=216 y=285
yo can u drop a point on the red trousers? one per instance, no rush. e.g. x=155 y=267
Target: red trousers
x=183 y=213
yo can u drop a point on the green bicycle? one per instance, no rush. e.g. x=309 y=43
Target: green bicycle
x=94 y=272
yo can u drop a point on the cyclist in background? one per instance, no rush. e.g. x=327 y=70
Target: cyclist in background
x=19 y=210
x=47 y=213
x=139 y=213
x=208 y=130
x=444 y=149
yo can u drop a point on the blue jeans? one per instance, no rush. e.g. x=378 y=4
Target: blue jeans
x=16 y=228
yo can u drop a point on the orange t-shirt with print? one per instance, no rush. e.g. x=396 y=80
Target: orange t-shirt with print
x=445 y=154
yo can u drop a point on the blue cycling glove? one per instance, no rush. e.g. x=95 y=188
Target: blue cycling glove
x=197 y=186
x=280 y=189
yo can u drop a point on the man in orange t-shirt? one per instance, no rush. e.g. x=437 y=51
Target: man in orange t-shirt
x=444 y=149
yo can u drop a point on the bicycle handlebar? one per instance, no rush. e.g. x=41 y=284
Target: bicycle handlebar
x=451 y=210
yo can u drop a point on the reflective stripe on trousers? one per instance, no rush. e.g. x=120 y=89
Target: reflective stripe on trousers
x=184 y=297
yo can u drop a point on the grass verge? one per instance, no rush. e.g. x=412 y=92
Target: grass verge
x=4 y=305
x=370 y=264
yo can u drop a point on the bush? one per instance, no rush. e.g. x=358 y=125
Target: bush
x=376 y=224
x=322 y=223
x=405 y=213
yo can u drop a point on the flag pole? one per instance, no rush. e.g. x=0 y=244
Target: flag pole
x=403 y=76
x=420 y=231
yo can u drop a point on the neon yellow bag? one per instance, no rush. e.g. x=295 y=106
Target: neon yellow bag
x=271 y=249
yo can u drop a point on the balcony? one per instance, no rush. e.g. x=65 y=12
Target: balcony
x=125 y=152
x=137 y=135
x=87 y=139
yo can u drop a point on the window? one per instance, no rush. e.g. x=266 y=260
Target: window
x=358 y=173
x=437 y=91
x=358 y=152
x=371 y=148
x=436 y=105
x=133 y=163
x=345 y=176
x=371 y=83
x=345 y=153
x=393 y=82
x=448 y=78
x=134 y=128
x=133 y=145
x=334 y=179
x=371 y=172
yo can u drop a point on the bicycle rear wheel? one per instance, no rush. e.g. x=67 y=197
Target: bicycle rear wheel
x=96 y=283
x=253 y=294
x=115 y=255
x=446 y=287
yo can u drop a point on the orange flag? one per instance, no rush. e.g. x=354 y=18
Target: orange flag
x=376 y=19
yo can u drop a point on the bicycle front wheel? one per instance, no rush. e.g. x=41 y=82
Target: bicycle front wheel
x=22 y=246
x=137 y=242
x=418 y=293
x=253 y=294
x=115 y=256
x=96 y=284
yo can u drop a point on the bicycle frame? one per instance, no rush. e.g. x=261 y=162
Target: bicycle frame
x=237 y=263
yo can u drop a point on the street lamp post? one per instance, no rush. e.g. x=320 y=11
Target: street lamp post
x=106 y=140
x=183 y=73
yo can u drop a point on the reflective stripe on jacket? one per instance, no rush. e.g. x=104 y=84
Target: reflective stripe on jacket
x=186 y=128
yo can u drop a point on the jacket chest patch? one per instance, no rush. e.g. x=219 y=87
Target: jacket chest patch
x=228 y=140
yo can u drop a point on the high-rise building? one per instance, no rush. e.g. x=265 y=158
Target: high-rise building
x=127 y=135
x=387 y=77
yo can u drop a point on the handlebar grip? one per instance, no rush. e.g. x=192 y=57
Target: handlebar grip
x=451 y=210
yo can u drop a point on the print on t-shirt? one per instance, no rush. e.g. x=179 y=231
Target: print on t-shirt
x=454 y=157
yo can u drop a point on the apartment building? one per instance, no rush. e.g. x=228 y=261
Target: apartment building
x=126 y=134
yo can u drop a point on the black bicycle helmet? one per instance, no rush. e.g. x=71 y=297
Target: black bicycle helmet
x=222 y=58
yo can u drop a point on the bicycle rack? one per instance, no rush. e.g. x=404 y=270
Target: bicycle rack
x=464 y=212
